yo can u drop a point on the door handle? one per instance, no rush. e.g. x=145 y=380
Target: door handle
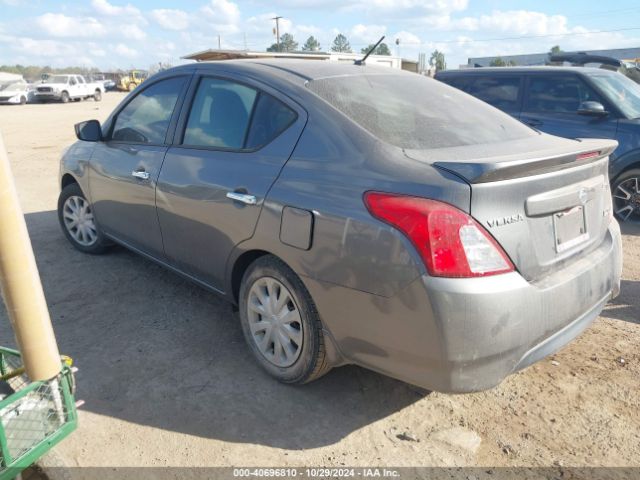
x=242 y=197
x=142 y=175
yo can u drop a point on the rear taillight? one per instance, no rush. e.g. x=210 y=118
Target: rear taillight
x=450 y=242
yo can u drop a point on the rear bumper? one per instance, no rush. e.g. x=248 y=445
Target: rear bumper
x=464 y=335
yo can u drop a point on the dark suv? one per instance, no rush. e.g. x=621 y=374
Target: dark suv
x=571 y=102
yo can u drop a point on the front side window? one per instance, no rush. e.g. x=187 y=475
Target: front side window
x=621 y=91
x=501 y=92
x=146 y=118
x=558 y=94
x=232 y=116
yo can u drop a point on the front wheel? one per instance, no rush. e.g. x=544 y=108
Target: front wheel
x=97 y=96
x=23 y=100
x=77 y=221
x=280 y=322
x=626 y=195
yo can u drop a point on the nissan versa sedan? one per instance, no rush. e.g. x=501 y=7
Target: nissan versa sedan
x=354 y=215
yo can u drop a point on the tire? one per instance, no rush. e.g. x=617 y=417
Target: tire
x=131 y=87
x=88 y=238
x=309 y=362
x=97 y=96
x=626 y=196
x=23 y=100
x=65 y=97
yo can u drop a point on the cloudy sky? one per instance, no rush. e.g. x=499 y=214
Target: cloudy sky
x=119 y=33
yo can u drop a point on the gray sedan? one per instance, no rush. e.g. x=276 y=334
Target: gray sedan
x=354 y=215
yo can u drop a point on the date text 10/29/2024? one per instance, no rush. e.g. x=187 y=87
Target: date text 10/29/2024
x=317 y=472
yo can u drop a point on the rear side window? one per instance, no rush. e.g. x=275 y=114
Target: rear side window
x=233 y=116
x=146 y=118
x=558 y=94
x=461 y=83
x=414 y=112
x=270 y=118
x=501 y=92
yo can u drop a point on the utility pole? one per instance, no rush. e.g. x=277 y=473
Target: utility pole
x=277 y=19
x=219 y=43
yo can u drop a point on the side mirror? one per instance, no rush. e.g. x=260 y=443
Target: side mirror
x=89 y=131
x=595 y=109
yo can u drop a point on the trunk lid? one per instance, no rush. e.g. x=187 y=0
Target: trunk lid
x=545 y=199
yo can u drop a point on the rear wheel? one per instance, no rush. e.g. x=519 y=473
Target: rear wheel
x=23 y=100
x=97 y=96
x=78 y=224
x=131 y=87
x=280 y=322
x=626 y=196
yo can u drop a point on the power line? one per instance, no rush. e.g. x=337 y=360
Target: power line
x=470 y=40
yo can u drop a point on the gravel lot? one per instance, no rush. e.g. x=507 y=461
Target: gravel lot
x=168 y=381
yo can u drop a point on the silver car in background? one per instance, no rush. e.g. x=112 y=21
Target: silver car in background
x=354 y=215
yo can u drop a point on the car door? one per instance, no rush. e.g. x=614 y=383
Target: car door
x=229 y=148
x=81 y=87
x=125 y=167
x=72 y=86
x=551 y=105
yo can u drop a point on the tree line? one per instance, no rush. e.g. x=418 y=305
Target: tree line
x=340 y=44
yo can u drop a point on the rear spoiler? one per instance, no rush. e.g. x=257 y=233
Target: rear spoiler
x=506 y=167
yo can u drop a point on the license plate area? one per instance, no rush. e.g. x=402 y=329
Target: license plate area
x=570 y=228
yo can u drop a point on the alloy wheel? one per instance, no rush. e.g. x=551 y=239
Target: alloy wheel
x=79 y=222
x=626 y=199
x=275 y=322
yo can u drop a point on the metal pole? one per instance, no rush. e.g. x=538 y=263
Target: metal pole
x=219 y=43
x=21 y=286
x=277 y=19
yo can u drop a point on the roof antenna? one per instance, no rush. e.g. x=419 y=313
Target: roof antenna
x=371 y=50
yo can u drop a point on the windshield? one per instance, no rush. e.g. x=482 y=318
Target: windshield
x=57 y=79
x=415 y=112
x=12 y=86
x=621 y=91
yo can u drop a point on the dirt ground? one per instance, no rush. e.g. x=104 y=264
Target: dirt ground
x=168 y=381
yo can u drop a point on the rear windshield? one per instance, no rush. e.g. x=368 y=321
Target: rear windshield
x=415 y=112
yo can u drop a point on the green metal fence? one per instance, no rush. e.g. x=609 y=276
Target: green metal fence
x=34 y=415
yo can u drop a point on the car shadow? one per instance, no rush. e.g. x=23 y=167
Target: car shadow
x=630 y=228
x=625 y=306
x=156 y=350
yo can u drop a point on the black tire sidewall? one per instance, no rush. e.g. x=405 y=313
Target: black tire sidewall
x=101 y=243
x=623 y=177
x=300 y=371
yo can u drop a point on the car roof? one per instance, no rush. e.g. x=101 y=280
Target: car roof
x=545 y=68
x=293 y=69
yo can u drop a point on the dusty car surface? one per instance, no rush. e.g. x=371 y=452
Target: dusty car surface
x=416 y=231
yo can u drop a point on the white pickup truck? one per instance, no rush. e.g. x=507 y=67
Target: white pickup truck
x=67 y=87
